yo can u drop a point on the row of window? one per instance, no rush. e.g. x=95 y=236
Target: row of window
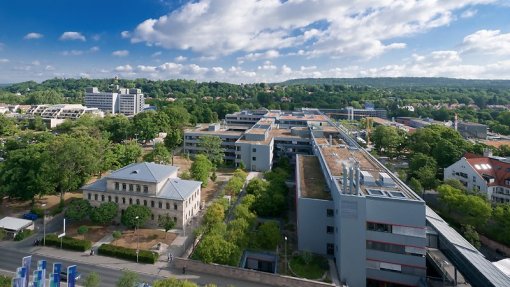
x=116 y=199
x=395 y=248
x=396 y=229
x=393 y=267
x=131 y=187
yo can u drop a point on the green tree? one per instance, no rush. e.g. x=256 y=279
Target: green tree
x=215 y=213
x=129 y=217
x=257 y=186
x=3 y=233
x=501 y=218
x=234 y=185
x=78 y=209
x=25 y=172
x=388 y=140
x=146 y=125
x=116 y=235
x=200 y=169
x=237 y=231
x=159 y=154
x=471 y=235
x=474 y=210
x=415 y=185
x=173 y=139
x=166 y=222
x=37 y=124
x=211 y=147
x=104 y=213
x=214 y=248
x=127 y=153
x=268 y=235
x=455 y=183
x=82 y=230
x=119 y=127
x=128 y=279
x=92 y=280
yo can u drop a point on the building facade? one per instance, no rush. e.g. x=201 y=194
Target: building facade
x=153 y=185
x=487 y=174
x=128 y=102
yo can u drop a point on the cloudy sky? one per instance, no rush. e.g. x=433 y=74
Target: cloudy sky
x=253 y=40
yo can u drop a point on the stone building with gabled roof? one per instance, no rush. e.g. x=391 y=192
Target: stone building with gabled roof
x=153 y=185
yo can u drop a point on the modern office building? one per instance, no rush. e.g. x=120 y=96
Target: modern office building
x=350 y=113
x=57 y=114
x=472 y=130
x=124 y=101
x=153 y=185
x=351 y=207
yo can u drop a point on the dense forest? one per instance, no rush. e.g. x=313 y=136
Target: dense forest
x=438 y=98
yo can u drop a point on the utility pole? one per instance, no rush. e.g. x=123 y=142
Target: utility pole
x=137 y=239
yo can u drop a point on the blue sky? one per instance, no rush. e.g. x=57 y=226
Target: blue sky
x=253 y=41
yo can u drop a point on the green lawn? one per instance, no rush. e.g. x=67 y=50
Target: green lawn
x=313 y=270
x=5 y=281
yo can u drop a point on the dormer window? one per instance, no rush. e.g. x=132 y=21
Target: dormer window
x=134 y=172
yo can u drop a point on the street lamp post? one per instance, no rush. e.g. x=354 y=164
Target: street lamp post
x=286 y=255
x=137 y=239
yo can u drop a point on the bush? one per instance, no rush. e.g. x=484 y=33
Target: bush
x=23 y=234
x=144 y=256
x=57 y=210
x=68 y=243
x=37 y=210
x=5 y=281
x=3 y=234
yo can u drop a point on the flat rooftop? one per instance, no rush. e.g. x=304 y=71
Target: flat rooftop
x=307 y=117
x=204 y=129
x=313 y=184
x=256 y=131
x=280 y=133
x=335 y=155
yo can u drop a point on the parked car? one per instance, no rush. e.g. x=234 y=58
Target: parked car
x=63 y=276
x=30 y=216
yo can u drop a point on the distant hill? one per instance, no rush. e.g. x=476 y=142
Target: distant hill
x=4 y=85
x=402 y=82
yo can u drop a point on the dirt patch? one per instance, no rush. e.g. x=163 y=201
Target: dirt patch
x=95 y=233
x=183 y=163
x=13 y=207
x=147 y=238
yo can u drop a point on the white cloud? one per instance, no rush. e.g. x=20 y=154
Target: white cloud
x=487 y=42
x=125 y=68
x=269 y=54
x=156 y=54
x=73 y=52
x=94 y=49
x=180 y=59
x=267 y=66
x=72 y=36
x=125 y=34
x=36 y=63
x=33 y=35
x=360 y=29
x=468 y=13
x=96 y=37
x=49 y=68
x=85 y=75
x=120 y=53
x=3 y=61
x=146 y=69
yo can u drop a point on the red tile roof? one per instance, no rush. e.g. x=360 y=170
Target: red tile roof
x=492 y=167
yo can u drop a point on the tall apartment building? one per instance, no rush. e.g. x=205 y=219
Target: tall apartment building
x=128 y=102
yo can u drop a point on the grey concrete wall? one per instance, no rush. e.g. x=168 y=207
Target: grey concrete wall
x=312 y=221
x=352 y=240
x=247 y=274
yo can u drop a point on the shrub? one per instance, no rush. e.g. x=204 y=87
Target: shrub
x=3 y=233
x=22 y=235
x=144 y=256
x=68 y=243
x=57 y=210
x=37 y=210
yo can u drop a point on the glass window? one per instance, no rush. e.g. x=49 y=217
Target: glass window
x=379 y=227
x=130 y=187
x=130 y=201
x=168 y=205
x=330 y=229
x=175 y=206
x=89 y=196
x=102 y=197
x=116 y=199
x=123 y=200
x=137 y=201
x=123 y=186
x=152 y=203
x=145 y=189
x=116 y=186
x=330 y=248
x=254 y=158
x=329 y=212
x=109 y=198
x=145 y=203
x=138 y=188
x=160 y=204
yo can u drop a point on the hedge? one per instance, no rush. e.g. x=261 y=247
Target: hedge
x=145 y=256
x=68 y=243
x=23 y=234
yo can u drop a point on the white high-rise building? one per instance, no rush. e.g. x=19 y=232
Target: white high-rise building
x=124 y=101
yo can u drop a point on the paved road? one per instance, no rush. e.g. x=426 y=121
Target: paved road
x=10 y=259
